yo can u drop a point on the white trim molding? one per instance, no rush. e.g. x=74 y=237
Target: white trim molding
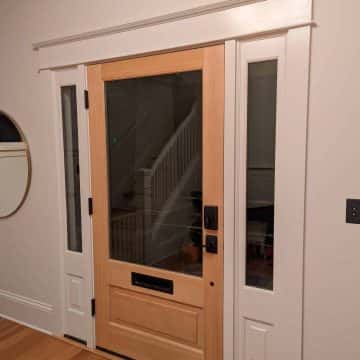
x=229 y=201
x=274 y=316
x=179 y=31
x=25 y=301
x=76 y=267
x=170 y=17
x=26 y=311
x=26 y=324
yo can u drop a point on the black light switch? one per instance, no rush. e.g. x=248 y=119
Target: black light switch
x=353 y=211
x=211 y=217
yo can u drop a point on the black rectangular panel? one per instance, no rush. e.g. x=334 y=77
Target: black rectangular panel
x=353 y=211
x=260 y=173
x=72 y=166
x=211 y=244
x=152 y=283
x=211 y=217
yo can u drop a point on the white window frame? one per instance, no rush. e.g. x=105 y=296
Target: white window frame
x=278 y=312
x=76 y=264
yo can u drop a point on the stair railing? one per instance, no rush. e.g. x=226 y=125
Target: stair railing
x=174 y=159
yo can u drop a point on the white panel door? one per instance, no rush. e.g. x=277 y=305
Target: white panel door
x=272 y=76
x=74 y=175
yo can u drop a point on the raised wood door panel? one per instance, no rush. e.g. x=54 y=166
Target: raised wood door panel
x=131 y=319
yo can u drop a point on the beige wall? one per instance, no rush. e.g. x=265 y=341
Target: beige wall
x=332 y=254
x=29 y=241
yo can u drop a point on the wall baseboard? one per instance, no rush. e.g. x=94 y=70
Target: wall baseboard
x=25 y=324
x=26 y=311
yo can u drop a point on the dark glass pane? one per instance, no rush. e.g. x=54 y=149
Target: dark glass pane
x=72 y=175
x=262 y=89
x=154 y=129
x=8 y=131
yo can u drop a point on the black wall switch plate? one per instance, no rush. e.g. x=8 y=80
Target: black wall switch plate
x=353 y=211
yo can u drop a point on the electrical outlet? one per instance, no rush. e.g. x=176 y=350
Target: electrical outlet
x=353 y=211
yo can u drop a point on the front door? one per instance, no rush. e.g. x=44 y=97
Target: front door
x=156 y=129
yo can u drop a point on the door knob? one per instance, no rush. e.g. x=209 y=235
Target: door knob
x=211 y=244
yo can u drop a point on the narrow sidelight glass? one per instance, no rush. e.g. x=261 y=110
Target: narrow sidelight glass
x=260 y=189
x=72 y=173
x=154 y=135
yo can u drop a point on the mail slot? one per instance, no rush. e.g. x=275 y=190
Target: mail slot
x=152 y=283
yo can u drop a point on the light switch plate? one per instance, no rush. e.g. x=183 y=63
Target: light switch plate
x=353 y=211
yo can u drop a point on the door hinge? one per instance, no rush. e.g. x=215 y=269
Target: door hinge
x=93 y=307
x=90 y=206
x=86 y=99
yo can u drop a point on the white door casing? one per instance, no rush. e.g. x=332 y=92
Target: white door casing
x=77 y=267
x=283 y=308
x=269 y=323
x=260 y=315
x=227 y=21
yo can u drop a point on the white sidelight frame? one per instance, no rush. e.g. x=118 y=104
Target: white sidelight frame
x=238 y=23
x=275 y=317
x=229 y=199
x=76 y=268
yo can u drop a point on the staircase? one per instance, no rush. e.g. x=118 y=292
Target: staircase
x=175 y=160
x=161 y=188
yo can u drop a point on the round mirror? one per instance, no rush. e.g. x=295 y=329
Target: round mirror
x=15 y=167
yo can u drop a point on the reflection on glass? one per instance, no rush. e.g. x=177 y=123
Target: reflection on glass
x=72 y=176
x=8 y=131
x=262 y=89
x=154 y=134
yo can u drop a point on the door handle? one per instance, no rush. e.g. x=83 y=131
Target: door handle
x=211 y=244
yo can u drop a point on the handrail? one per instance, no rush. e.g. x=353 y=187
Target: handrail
x=174 y=137
x=174 y=159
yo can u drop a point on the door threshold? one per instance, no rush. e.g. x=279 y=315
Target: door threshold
x=73 y=338
x=113 y=353
x=97 y=351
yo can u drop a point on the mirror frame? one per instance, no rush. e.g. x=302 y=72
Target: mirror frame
x=27 y=189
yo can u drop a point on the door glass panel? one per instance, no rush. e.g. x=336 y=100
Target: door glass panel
x=261 y=124
x=154 y=135
x=72 y=175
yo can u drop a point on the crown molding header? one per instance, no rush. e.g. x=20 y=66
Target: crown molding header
x=170 y=17
x=225 y=20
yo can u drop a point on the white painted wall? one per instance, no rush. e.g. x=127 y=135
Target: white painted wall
x=332 y=263
x=29 y=241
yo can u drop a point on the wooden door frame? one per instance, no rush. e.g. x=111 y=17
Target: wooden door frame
x=212 y=61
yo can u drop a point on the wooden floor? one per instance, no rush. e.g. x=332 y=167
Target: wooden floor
x=21 y=343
